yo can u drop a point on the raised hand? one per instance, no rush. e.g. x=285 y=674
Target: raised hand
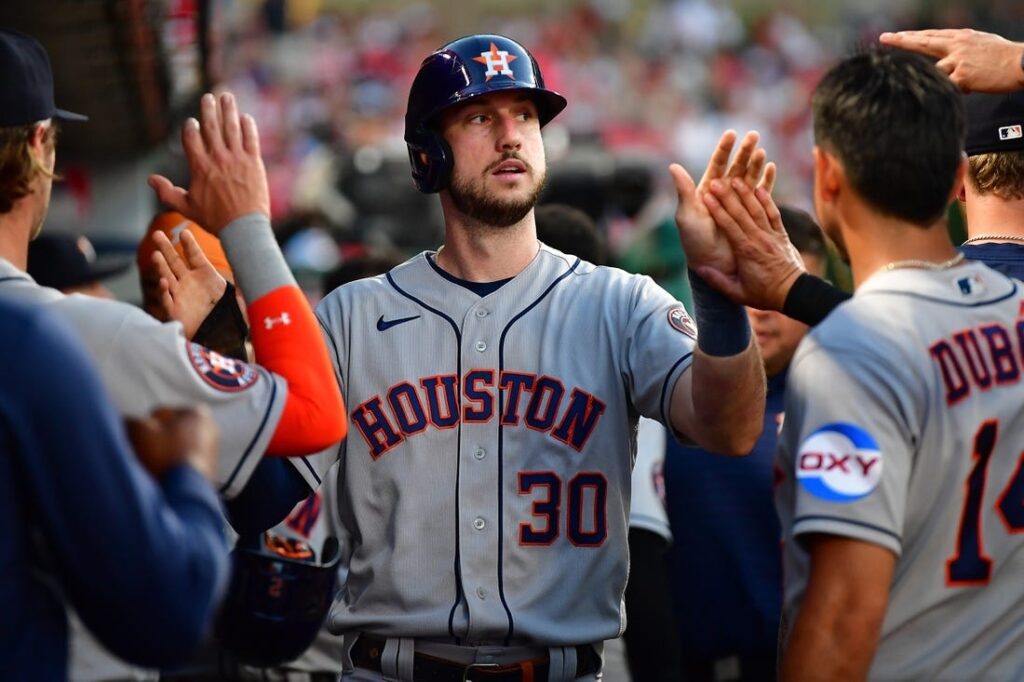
x=975 y=61
x=704 y=245
x=170 y=437
x=189 y=287
x=767 y=263
x=227 y=176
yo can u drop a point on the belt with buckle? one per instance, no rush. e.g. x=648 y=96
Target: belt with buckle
x=367 y=651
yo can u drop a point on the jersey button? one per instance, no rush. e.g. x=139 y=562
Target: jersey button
x=481 y=346
x=480 y=312
x=481 y=592
x=480 y=453
x=479 y=523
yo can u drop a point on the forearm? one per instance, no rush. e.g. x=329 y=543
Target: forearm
x=286 y=340
x=719 y=401
x=839 y=622
x=829 y=646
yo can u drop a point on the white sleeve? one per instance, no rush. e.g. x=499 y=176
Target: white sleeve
x=647 y=507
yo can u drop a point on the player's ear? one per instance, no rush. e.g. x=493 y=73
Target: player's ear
x=960 y=184
x=828 y=174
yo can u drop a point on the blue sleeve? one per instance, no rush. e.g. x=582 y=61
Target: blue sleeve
x=144 y=565
x=272 y=491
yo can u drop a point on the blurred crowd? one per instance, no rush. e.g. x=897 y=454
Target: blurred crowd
x=647 y=83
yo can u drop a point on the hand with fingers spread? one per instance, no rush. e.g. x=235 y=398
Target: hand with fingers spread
x=975 y=61
x=767 y=263
x=227 y=176
x=704 y=245
x=189 y=287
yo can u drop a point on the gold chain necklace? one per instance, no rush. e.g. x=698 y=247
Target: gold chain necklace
x=925 y=264
x=987 y=237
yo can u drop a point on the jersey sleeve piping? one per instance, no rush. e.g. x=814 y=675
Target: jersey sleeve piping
x=666 y=395
x=255 y=439
x=860 y=530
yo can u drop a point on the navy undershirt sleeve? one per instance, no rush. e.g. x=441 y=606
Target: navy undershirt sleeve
x=273 y=490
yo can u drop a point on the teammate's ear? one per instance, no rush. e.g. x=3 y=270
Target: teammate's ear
x=37 y=140
x=424 y=158
x=960 y=184
x=828 y=174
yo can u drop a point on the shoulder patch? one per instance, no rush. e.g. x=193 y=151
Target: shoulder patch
x=839 y=462
x=682 y=322
x=224 y=374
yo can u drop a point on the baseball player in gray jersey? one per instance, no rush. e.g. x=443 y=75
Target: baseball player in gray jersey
x=495 y=387
x=902 y=489
x=289 y=406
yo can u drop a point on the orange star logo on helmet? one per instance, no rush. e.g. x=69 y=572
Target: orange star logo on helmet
x=497 y=62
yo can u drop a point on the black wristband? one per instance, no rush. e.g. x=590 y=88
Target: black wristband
x=811 y=299
x=224 y=330
x=722 y=326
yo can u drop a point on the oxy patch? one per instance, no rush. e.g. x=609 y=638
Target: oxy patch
x=223 y=373
x=839 y=462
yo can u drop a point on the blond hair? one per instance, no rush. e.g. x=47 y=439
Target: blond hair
x=18 y=165
x=999 y=173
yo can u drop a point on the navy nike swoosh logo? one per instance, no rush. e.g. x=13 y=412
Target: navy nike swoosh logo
x=384 y=325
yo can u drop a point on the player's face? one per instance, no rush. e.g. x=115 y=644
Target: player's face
x=778 y=335
x=499 y=164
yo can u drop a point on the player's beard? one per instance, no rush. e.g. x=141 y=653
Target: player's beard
x=472 y=200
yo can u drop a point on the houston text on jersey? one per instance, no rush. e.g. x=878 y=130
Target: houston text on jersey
x=541 y=403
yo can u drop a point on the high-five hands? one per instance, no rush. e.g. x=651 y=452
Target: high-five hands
x=227 y=176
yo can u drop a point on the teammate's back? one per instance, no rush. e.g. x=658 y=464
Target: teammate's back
x=937 y=406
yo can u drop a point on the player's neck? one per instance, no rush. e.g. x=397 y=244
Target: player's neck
x=875 y=242
x=15 y=231
x=487 y=254
x=987 y=214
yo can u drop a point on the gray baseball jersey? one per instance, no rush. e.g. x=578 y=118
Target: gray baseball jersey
x=904 y=428
x=147 y=364
x=484 y=485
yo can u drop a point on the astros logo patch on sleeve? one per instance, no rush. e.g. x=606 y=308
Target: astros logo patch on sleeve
x=682 y=322
x=224 y=374
x=839 y=462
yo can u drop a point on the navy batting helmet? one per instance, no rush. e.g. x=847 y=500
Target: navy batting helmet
x=461 y=70
x=277 y=600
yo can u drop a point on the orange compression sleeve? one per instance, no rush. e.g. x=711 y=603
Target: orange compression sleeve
x=287 y=341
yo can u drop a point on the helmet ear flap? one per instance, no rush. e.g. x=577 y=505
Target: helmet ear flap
x=431 y=161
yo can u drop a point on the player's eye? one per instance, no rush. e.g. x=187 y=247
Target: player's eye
x=478 y=118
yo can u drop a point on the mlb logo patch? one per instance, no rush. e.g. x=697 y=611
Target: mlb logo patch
x=1011 y=132
x=971 y=285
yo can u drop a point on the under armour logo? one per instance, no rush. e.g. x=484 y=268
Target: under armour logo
x=269 y=322
x=497 y=62
x=177 y=230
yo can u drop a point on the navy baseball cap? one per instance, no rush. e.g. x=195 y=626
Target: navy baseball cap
x=62 y=261
x=26 y=82
x=995 y=123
